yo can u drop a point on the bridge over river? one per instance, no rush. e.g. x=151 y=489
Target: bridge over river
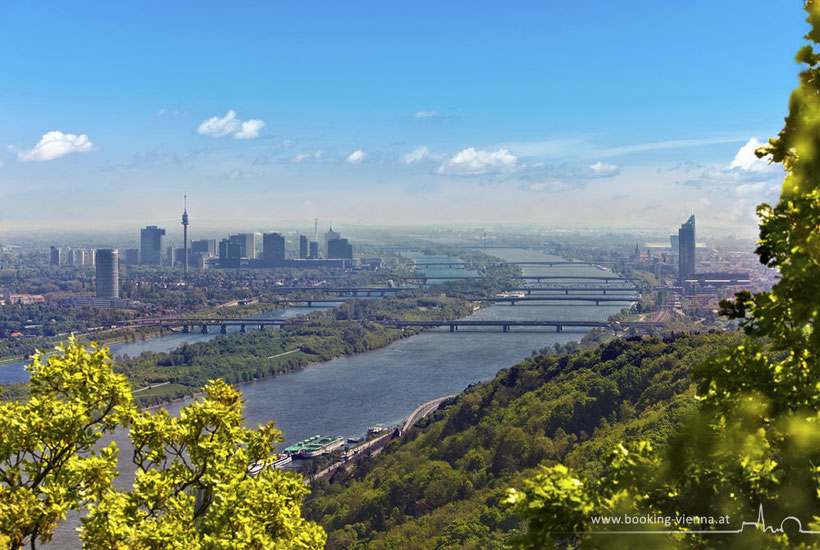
x=454 y=324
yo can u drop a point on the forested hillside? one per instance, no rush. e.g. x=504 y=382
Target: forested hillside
x=444 y=484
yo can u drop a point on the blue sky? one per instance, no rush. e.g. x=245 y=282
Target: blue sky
x=269 y=114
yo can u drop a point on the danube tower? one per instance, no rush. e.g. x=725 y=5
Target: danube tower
x=185 y=234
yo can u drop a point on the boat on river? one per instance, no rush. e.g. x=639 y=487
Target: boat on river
x=315 y=446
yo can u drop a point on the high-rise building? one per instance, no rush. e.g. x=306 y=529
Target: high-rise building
x=207 y=247
x=273 y=249
x=89 y=256
x=331 y=235
x=108 y=275
x=313 y=253
x=339 y=249
x=673 y=242
x=185 y=235
x=151 y=245
x=56 y=256
x=230 y=254
x=686 y=249
x=303 y=247
x=247 y=244
x=132 y=256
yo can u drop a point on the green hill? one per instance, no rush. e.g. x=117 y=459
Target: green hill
x=443 y=484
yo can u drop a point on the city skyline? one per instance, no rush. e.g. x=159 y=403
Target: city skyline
x=379 y=113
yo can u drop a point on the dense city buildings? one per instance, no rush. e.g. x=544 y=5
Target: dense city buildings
x=273 y=249
x=108 y=280
x=151 y=245
x=686 y=249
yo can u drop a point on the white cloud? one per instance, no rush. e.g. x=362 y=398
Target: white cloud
x=425 y=114
x=416 y=155
x=704 y=201
x=250 y=129
x=603 y=170
x=356 y=157
x=218 y=127
x=230 y=124
x=745 y=159
x=472 y=162
x=55 y=145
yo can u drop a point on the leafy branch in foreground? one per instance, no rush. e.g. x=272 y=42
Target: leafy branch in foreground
x=49 y=459
x=204 y=480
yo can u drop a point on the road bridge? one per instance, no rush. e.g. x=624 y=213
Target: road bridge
x=567 y=289
x=467 y=265
x=538 y=278
x=515 y=299
x=506 y=325
x=353 y=290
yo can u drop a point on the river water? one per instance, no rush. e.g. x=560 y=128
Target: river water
x=344 y=396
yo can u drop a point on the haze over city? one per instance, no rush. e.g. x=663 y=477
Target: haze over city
x=382 y=114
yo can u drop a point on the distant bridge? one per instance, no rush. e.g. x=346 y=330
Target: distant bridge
x=567 y=289
x=515 y=299
x=467 y=265
x=353 y=290
x=538 y=278
x=207 y=322
x=506 y=325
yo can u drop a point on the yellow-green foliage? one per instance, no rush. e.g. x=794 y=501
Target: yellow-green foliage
x=48 y=460
x=193 y=488
x=755 y=439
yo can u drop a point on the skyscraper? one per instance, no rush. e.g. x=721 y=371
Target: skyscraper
x=55 y=256
x=247 y=244
x=313 y=253
x=151 y=245
x=230 y=254
x=303 y=247
x=331 y=235
x=185 y=234
x=108 y=273
x=273 y=249
x=339 y=249
x=686 y=249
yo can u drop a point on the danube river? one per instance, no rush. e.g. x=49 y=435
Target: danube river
x=345 y=396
